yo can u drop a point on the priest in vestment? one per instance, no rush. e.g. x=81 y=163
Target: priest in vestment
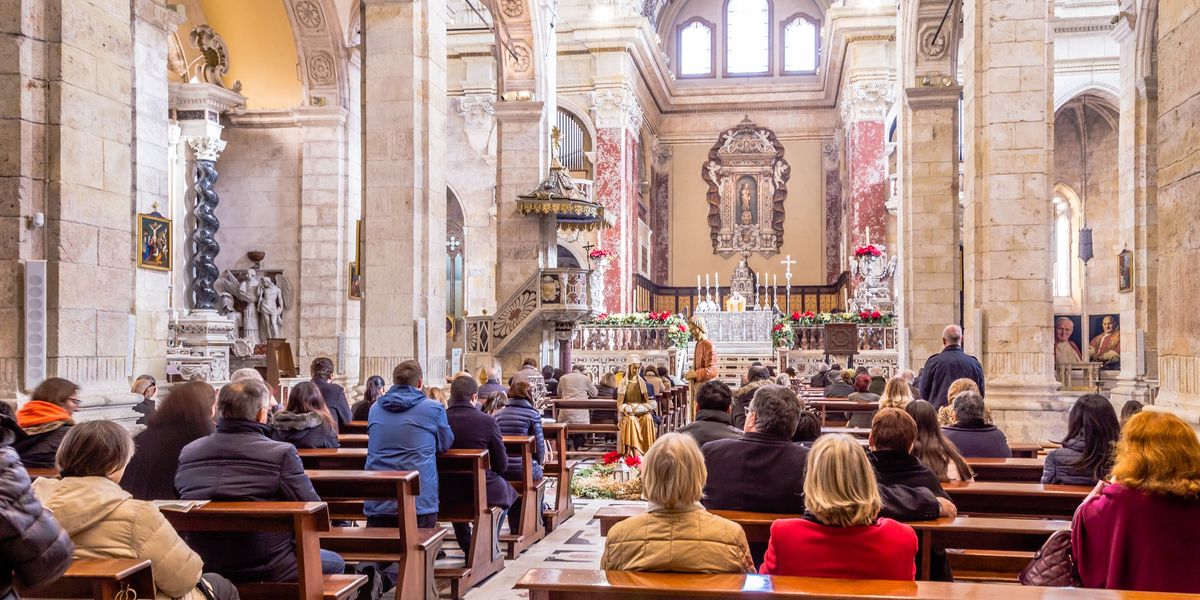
x=1106 y=347
x=704 y=362
x=636 y=429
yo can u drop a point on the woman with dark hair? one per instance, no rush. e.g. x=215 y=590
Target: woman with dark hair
x=376 y=386
x=519 y=417
x=1088 y=448
x=46 y=419
x=305 y=421
x=186 y=415
x=932 y=448
x=1130 y=408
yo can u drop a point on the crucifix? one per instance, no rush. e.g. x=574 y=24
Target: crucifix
x=587 y=248
x=787 y=264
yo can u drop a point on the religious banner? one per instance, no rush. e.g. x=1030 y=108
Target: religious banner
x=747 y=185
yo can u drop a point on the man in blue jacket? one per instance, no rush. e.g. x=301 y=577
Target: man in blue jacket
x=406 y=431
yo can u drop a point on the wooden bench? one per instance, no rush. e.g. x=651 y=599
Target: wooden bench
x=573 y=584
x=359 y=427
x=1016 y=499
x=304 y=520
x=413 y=550
x=858 y=432
x=35 y=472
x=531 y=528
x=1027 y=470
x=352 y=440
x=561 y=469
x=462 y=476
x=98 y=578
x=1025 y=449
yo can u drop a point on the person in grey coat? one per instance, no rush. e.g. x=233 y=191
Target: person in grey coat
x=576 y=386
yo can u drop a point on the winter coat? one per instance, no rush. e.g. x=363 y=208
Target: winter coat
x=943 y=368
x=303 y=430
x=475 y=430
x=806 y=548
x=711 y=425
x=33 y=547
x=335 y=399
x=360 y=411
x=677 y=540
x=901 y=468
x=45 y=425
x=741 y=401
x=491 y=387
x=978 y=440
x=406 y=433
x=240 y=462
x=1060 y=465
x=521 y=418
x=878 y=384
x=151 y=473
x=839 y=389
x=104 y=521
x=861 y=418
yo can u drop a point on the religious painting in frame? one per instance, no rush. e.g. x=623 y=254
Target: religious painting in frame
x=1068 y=339
x=1125 y=271
x=354 y=287
x=154 y=241
x=747 y=185
x=1105 y=345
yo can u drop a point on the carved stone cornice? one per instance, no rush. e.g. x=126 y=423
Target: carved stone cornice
x=204 y=98
x=477 y=110
x=919 y=98
x=615 y=108
x=206 y=148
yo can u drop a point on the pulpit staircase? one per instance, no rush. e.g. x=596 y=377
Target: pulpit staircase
x=550 y=299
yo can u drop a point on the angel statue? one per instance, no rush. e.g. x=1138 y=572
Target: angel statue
x=274 y=297
x=247 y=292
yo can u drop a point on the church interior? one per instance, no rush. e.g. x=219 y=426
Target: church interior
x=343 y=191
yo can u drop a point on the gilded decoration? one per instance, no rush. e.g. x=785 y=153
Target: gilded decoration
x=747 y=186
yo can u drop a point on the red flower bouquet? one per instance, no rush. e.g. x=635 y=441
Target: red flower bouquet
x=868 y=250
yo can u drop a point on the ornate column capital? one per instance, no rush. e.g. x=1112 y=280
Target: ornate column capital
x=919 y=98
x=662 y=154
x=206 y=148
x=830 y=152
x=867 y=100
x=615 y=108
x=477 y=110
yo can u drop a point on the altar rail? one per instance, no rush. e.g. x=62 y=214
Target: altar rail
x=649 y=296
x=870 y=337
x=620 y=337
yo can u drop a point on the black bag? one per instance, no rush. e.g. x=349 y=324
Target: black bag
x=1054 y=564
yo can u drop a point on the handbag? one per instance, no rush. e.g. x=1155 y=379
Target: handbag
x=1054 y=564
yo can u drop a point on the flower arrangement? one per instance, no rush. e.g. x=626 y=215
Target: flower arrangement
x=601 y=254
x=675 y=325
x=810 y=319
x=600 y=481
x=868 y=250
x=631 y=461
x=782 y=334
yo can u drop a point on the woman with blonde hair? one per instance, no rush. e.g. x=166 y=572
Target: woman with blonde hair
x=946 y=414
x=896 y=394
x=1133 y=532
x=676 y=534
x=841 y=535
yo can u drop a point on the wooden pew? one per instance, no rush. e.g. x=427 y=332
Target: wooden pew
x=573 y=584
x=559 y=467
x=1024 y=449
x=354 y=427
x=35 y=472
x=858 y=432
x=532 y=493
x=305 y=520
x=463 y=468
x=352 y=440
x=1027 y=470
x=1016 y=499
x=413 y=550
x=98 y=578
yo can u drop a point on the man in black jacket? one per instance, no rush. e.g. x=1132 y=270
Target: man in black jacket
x=944 y=367
x=321 y=370
x=756 y=377
x=713 y=402
x=475 y=430
x=240 y=462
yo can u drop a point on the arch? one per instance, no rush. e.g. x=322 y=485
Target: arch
x=572 y=252
x=321 y=51
x=929 y=55
x=1096 y=91
x=1146 y=30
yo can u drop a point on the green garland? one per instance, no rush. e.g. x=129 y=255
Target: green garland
x=675 y=325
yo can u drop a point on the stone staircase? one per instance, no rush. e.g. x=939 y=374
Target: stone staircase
x=549 y=300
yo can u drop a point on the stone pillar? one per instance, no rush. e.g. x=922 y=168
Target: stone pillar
x=1008 y=50
x=323 y=225
x=404 y=154
x=1137 y=200
x=618 y=118
x=1178 y=188
x=863 y=110
x=927 y=223
x=519 y=168
x=660 y=215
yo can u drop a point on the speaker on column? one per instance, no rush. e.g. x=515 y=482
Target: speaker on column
x=35 y=323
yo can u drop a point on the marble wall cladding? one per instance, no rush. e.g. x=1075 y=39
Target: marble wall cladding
x=833 y=221
x=867 y=169
x=660 y=225
x=615 y=186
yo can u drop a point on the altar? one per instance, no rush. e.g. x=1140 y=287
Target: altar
x=748 y=328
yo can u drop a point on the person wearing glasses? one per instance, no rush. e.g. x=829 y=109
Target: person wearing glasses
x=45 y=420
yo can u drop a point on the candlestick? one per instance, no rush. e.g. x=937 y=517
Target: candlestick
x=775 y=291
x=717 y=281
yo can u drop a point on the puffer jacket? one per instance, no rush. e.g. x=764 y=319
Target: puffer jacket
x=521 y=418
x=303 y=430
x=33 y=547
x=45 y=425
x=406 y=431
x=678 y=540
x=104 y=521
x=1060 y=465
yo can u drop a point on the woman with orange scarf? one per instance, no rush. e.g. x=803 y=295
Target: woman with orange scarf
x=46 y=419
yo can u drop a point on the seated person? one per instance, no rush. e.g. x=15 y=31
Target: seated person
x=1136 y=532
x=106 y=522
x=933 y=449
x=375 y=388
x=476 y=430
x=492 y=384
x=971 y=433
x=808 y=429
x=862 y=385
x=240 y=462
x=1089 y=446
x=841 y=535
x=666 y=375
x=305 y=421
x=756 y=377
x=713 y=401
x=945 y=414
x=576 y=386
x=333 y=394
x=842 y=387
x=676 y=534
x=820 y=379
x=46 y=418
x=519 y=417
x=184 y=417
x=878 y=382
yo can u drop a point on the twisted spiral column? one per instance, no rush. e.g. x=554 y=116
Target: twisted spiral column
x=204 y=244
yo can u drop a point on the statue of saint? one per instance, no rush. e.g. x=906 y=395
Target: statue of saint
x=744 y=202
x=635 y=410
x=270 y=308
x=250 y=293
x=704 y=363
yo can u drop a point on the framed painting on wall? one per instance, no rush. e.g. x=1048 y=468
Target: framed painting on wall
x=1125 y=271
x=154 y=241
x=354 y=289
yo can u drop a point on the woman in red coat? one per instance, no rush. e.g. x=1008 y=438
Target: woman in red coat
x=841 y=535
x=1137 y=532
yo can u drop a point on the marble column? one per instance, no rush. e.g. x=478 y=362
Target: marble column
x=927 y=221
x=1178 y=187
x=404 y=201
x=1008 y=54
x=863 y=111
x=660 y=214
x=1137 y=201
x=618 y=118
